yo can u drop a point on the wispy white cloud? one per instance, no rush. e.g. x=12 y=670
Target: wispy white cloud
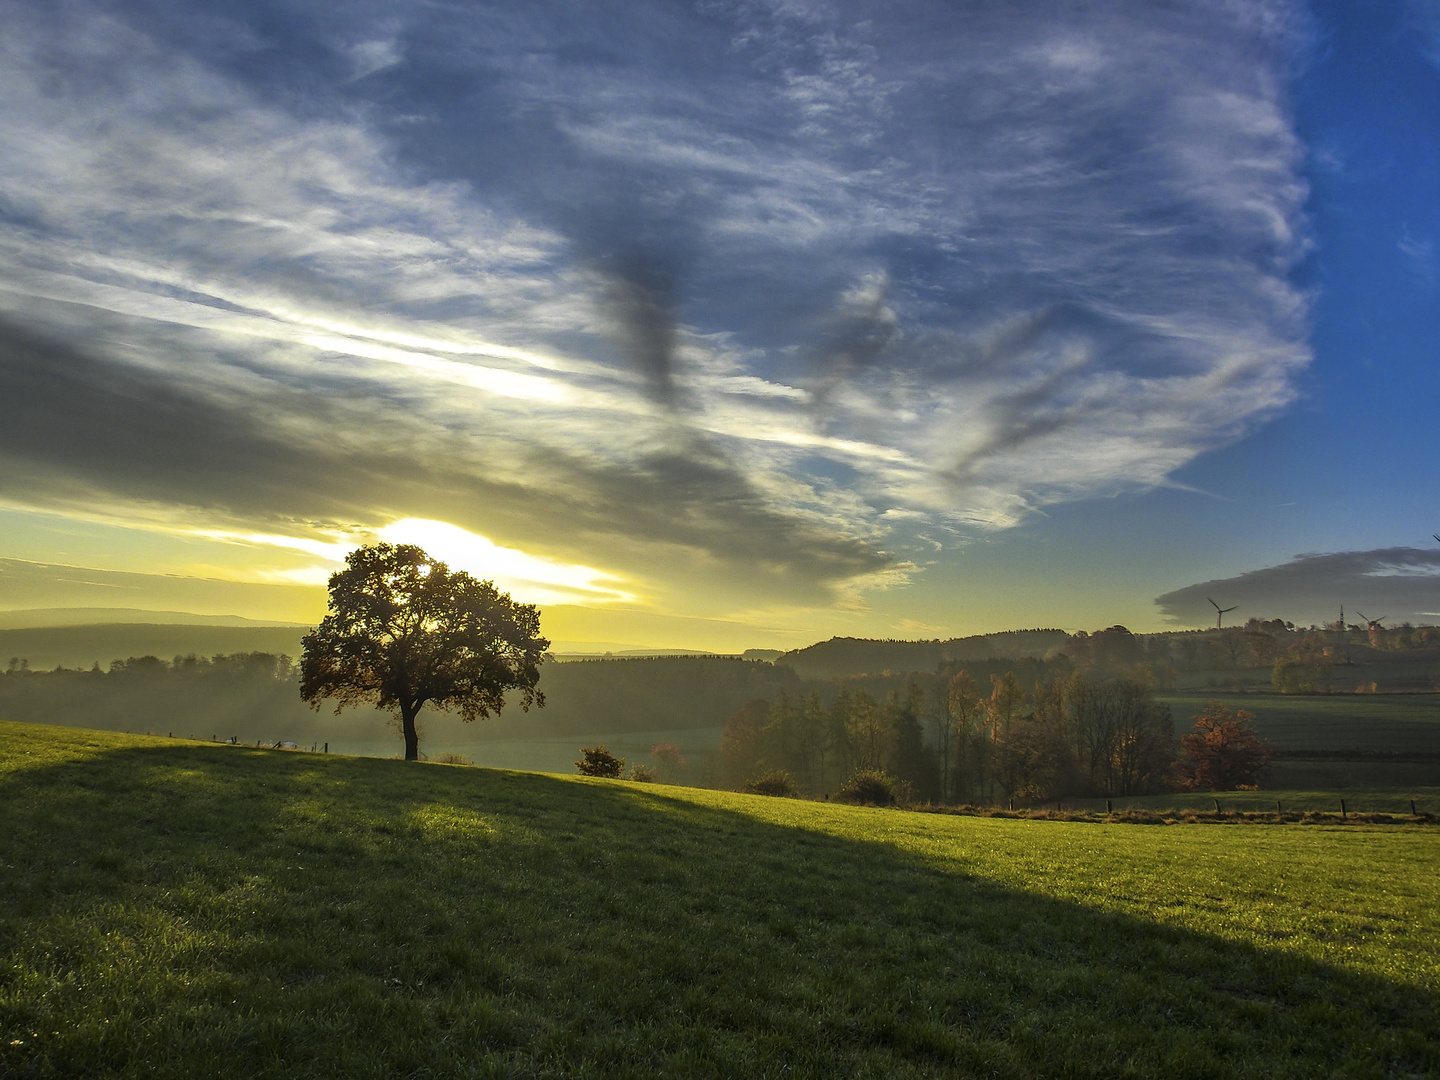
x=1420 y=253
x=833 y=273
x=368 y=57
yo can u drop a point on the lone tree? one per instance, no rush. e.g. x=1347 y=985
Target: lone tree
x=1224 y=752
x=405 y=631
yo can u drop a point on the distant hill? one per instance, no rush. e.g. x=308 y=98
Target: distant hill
x=28 y=618
x=82 y=646
x=628 y=654
x=863 y=656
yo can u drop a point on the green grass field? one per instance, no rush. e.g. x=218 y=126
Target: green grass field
x=1358 y=800
x=179 y=910
x=1389 y=722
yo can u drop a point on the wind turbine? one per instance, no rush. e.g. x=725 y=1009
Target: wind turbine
x=1372 y=624
x=1220 y=611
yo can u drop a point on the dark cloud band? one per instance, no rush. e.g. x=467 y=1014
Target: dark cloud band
x=1402 y=584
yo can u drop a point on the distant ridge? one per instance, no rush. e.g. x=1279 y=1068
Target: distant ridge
x=26 y=618
x=842 y=656
x=630 y=654
x=46 y=647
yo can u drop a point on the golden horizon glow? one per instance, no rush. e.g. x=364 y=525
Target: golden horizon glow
x=531 y=578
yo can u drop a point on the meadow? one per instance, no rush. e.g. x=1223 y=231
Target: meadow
x=175 y=909
x=1384 y=722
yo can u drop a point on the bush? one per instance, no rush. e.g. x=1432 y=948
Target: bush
x=454 y=759
x=868 y=787
x=777 y=783
x=598 y=761
x=641 y=773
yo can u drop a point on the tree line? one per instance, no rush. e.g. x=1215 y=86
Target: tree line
x=961 y=742
x=1301 y=659
x=245 y=695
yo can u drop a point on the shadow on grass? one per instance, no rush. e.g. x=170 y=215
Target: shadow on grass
x=185 y=911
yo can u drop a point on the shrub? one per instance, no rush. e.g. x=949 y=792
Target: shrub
x=641 y=774
x=454 y=759
x=868 y=787
x=777 y=783
x=598 y=761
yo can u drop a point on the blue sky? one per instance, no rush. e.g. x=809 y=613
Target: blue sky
x=725 y=323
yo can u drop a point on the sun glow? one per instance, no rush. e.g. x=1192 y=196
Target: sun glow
x=532 y=578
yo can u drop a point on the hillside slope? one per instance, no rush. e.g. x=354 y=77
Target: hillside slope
x=172 y=909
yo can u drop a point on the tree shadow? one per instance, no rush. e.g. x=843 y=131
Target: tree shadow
x=231 y=912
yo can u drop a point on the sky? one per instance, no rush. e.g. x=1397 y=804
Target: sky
x=730 y=323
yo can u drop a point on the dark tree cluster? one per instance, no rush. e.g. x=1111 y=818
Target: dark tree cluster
x=1061 y=736
x=242 y=694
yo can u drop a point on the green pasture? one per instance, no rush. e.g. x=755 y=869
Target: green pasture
x=1358 y=800
x=446 y=735
x=1392 y=673
x=181 y=910
x=1385 y=722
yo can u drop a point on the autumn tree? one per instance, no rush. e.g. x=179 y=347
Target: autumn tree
x=1224 y=752
x=405 y=631
x=1035 y=761
x=669 y=761
x=865 y=731
x=904 y=753
x=964 y=713
x=1124 y=740
x=742 y=743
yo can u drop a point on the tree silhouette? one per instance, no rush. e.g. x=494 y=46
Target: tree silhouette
x=405 y=631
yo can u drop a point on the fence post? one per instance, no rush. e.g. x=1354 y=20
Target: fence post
x=1412 y=809
x=1217 y=805
x=1278 y=811
x=1344 y=815
x=1108 y=808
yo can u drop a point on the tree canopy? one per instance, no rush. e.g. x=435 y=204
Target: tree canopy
x=405 y=631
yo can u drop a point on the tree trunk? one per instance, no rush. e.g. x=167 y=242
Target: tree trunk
x=407 y=725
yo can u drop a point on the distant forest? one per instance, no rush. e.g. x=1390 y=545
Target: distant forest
x=908 y=686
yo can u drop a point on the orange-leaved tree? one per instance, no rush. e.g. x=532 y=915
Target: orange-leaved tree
x=1224 y=752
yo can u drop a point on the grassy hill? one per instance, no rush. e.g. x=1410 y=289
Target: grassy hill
x=171 y=909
